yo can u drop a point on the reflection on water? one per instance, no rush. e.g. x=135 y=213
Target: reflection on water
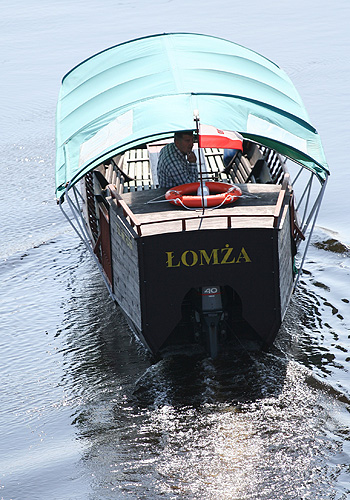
x=323 y=305
x=264 y=425
x=84 y=403
x=176 y=442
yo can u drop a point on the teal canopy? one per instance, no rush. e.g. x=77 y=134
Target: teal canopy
x=148 y=88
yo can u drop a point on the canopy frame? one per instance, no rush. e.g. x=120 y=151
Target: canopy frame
x=148 y=88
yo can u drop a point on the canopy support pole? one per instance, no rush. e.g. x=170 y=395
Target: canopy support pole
x=81 y=229
x=314 y=213
x=196 y=119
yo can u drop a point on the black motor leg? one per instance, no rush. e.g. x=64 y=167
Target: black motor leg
x=212 y=313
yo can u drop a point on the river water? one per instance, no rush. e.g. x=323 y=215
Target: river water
x=84 y=414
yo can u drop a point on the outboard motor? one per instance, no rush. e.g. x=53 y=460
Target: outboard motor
x=211 y=315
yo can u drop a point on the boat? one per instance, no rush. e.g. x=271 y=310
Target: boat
x=191 y=277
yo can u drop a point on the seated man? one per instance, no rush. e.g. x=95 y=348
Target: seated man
x=177 y=163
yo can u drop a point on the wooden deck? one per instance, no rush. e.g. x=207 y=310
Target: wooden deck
x=138 y=197
x=259 y=206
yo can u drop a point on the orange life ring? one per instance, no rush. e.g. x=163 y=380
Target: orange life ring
x=185 y=195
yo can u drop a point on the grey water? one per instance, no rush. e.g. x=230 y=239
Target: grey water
x=84 y=413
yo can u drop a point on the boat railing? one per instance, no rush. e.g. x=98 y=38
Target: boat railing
x=83 y=228
x=127 y=212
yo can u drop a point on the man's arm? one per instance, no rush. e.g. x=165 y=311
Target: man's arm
x=191 y=158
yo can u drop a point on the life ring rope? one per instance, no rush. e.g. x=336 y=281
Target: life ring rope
x=185 y=195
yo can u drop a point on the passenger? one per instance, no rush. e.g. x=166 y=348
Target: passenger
x=177 y=163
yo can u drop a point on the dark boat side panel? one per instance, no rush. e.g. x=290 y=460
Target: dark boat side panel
x=244 y=259
x=126 y=282
x=285 y=251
